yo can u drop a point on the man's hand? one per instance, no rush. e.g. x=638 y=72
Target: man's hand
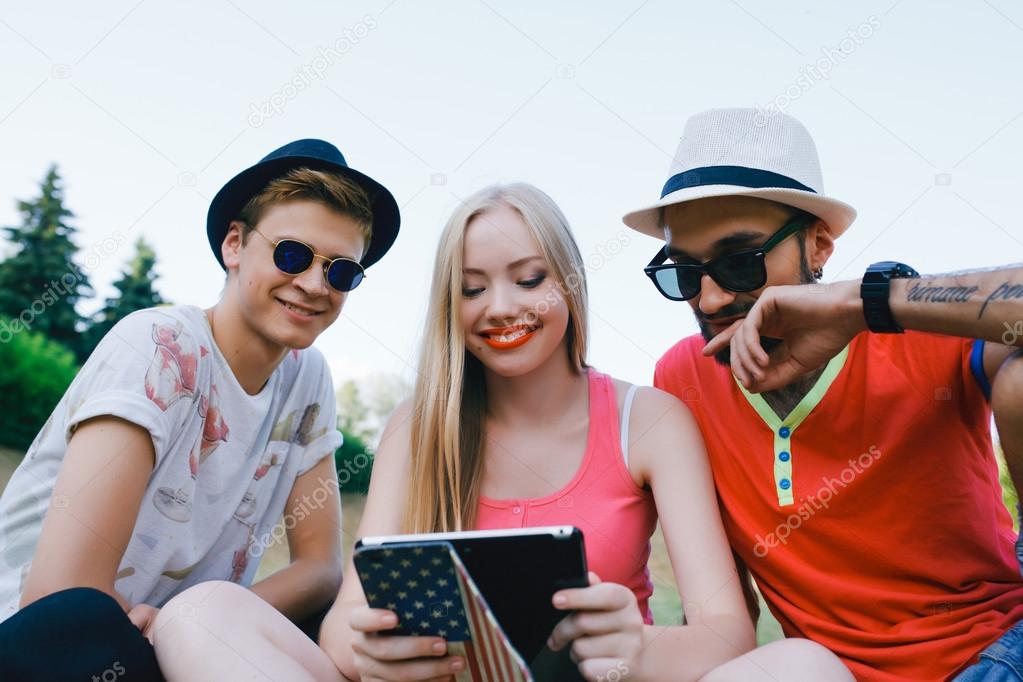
x=813 y=321
x=144 y=616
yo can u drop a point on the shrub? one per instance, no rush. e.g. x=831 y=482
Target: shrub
x=36 y=372
x=354 y=462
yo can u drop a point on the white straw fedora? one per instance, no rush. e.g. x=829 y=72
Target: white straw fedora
x=745 y=152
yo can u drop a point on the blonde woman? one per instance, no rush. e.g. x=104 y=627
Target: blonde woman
x=509 y=427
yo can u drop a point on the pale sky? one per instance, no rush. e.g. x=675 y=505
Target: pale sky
x=149 y=107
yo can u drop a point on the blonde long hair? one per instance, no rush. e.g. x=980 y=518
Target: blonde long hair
x=450 y=402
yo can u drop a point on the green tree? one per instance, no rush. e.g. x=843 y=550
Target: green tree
x=385 y=392
x=40 y=284
x=1009 y=495
x=134 y=292
x=352 y=411
x=354 y=464
x=36 y=373
x=362 y=410
x=364 y=407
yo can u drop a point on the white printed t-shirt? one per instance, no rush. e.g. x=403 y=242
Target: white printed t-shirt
x=225 y=460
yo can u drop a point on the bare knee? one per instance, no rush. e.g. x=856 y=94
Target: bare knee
x=198 y=609
x=789 y=659
x=815 y=662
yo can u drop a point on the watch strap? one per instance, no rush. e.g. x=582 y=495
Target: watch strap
x=875 y=291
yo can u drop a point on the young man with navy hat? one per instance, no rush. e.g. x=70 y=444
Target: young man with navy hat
x=189 y=432
x=848 y=423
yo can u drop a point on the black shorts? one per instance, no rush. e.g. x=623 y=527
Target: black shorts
x=82 y=634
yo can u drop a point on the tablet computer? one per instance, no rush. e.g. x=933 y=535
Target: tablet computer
x=517 y=571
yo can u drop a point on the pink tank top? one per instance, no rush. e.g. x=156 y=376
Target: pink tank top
x=616 y=516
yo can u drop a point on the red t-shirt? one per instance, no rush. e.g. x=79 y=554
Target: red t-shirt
x=871 y=516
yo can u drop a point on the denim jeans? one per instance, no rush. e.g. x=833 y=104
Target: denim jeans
x=1000 y=662
x=1003 y=660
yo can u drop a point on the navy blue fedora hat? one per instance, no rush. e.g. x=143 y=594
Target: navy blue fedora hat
x=309 y=153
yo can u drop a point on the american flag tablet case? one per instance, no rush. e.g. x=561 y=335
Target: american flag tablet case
x=427 y=586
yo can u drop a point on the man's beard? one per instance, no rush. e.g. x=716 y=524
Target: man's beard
x=724 y=356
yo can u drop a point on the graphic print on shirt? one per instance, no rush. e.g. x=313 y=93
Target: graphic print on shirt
x=273 y=456
x=177 y=504
x=172 y=371
x=298 y=428
x=295 y=428
x=240 y=560
x=215 y=429
x=180 y=573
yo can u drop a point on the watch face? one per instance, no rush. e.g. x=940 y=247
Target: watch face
x=903 y=270
x=886 y=270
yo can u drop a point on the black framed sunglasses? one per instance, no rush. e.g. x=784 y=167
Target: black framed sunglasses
x=741 y=271
x=293 y=257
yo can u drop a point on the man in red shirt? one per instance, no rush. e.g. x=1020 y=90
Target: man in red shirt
x=848 y=424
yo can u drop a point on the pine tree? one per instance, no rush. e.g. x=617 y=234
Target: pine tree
x=352 y=411
x=40 y=284
x=134 y=292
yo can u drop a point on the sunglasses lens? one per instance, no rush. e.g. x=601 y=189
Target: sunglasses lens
x=740 y=272
x=292 y=257
x=679 y=284
x=667 y=283
x=345 y=275
x=689 y=282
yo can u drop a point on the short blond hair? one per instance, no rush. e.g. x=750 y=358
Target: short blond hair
x=334 y=191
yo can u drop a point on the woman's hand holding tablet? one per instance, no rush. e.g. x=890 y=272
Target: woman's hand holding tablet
x=517 y=572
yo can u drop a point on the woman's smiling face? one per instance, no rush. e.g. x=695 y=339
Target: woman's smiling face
x=514 y=315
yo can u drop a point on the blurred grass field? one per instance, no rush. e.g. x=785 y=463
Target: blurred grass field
x=665 y=603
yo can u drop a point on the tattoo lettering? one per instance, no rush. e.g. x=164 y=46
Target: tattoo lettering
x=1006 y=291
x=920 y=293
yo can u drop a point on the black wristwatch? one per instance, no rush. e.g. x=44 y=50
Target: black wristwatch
x=875 y=291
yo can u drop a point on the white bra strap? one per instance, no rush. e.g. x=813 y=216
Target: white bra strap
x=626 y=409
